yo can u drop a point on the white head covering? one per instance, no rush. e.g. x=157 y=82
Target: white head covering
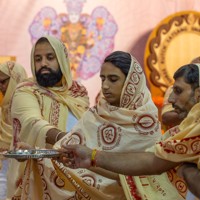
x=17 y=74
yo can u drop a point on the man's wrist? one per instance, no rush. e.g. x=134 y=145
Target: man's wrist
x=60 y=135
x=99 y=158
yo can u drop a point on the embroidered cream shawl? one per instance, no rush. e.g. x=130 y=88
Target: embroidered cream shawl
x=36 y=109
x=132 y=126
x=182 y=145
x=17 y=74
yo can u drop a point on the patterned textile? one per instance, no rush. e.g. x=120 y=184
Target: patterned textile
x=179 y=144
x=36 y=109
x=134 y=126
x=182 y=144
x=17 y=74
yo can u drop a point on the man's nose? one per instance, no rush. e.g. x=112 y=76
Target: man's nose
x=171 y=98
x=44 y=62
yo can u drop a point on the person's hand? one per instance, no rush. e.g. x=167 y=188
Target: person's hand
x=76 y=156
x=24 y=146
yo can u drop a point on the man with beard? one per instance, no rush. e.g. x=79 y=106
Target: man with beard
x=45 y=107
x=171 y=118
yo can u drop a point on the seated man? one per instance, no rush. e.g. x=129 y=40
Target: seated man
x=124 y=119
x=182 y=145
x=46 y=106
x=170 y=118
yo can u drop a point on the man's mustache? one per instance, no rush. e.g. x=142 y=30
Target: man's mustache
x=45 y=68
x=177 y=107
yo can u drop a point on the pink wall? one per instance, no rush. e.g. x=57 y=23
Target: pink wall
x=135 y=20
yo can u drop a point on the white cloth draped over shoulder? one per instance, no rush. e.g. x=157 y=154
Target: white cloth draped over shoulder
x=133 y=126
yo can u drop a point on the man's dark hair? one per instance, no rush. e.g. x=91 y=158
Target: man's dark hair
x=190 y=73
x=120 y=59
x=41 y=40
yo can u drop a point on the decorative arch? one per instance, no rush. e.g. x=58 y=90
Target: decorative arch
x=175 y=41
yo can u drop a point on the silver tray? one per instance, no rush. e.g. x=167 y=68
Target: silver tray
x=33 y=153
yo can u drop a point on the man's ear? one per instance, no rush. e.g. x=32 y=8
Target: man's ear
x=197 y=94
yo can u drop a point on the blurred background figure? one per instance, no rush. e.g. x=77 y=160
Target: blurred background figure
x=11 y=74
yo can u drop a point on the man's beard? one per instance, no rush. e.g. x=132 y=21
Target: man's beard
x=48 y=79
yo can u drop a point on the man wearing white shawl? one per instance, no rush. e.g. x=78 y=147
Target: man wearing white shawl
x=125 y=119
x=181 y=145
